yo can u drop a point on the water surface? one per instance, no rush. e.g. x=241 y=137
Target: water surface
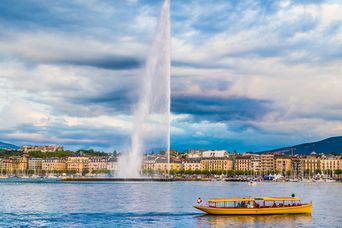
x=162 y=204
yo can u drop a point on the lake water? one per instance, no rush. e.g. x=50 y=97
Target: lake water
x=155 y=204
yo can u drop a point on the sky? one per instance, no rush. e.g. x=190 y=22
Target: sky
x=246 y=75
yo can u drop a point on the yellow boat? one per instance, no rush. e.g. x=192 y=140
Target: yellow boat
x=255 y=206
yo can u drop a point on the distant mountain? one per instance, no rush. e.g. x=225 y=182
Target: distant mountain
x=8 y=146
x=326 y=146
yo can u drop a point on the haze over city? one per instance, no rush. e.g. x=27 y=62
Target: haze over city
x=246 y=75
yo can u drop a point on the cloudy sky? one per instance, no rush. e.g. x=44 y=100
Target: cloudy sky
x=246 y=75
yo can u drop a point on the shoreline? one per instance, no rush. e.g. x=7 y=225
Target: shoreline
x=147 y=179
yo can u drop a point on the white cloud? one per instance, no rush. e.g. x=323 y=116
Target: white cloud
x=289 y=56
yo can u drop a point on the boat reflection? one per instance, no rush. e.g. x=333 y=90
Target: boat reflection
x=255 y=220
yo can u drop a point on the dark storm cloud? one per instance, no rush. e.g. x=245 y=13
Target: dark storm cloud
x=106 y=62
x=220 y=109
x=28 y=14
x=75 y=137
x=199 y=65
x=119 y=101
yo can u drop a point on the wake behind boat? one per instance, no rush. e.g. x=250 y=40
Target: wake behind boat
x=255 y=206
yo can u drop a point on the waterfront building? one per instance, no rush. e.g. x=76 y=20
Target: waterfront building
x=193 y=164
x=51 y=165
x=6 y=166
x=297 y=171
x=163 y=166
x=267 y=163
x=49 y=148
x=243 y=163
x=97 y=164
x=283 y=165
x=78 y=164
x=112 y=165
x=149 y=161
x=256 y=163
x=2 y=170
x=217 y=164
x=310 y=165
x=35 y=165
x=14 y=165
x=328 y=165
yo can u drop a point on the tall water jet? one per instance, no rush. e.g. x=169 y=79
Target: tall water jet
x=152 y=112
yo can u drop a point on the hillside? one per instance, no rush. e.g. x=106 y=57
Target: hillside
x=8 y=146
x=329 y=145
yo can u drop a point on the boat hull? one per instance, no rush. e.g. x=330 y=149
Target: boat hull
x=303 y=209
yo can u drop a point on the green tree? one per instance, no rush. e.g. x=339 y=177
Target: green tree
x=288 y=173
x=206 y=172
x=4 y=153
x=338 y=172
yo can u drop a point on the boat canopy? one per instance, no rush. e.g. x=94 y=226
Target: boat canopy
x=252 y=199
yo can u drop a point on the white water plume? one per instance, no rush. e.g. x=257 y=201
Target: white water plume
x=152 y=112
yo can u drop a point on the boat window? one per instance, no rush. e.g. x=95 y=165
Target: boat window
x=269 y=203
x=230 y=204
x=220 y=204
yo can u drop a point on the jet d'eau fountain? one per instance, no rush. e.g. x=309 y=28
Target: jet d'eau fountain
x=151 y=124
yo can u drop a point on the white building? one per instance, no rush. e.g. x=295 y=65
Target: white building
x=214 y=154
x=35 y=164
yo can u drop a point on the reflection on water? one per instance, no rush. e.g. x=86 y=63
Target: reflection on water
x=255 y=221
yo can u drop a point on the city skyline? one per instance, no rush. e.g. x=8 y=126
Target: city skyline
x=249 y=76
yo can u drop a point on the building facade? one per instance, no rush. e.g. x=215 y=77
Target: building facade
x=256 y=163
x=267 y=163
x=78 y=164
x=283 y=165
x=52 y=165
x=49 y=148
x=149 y=162
x=35 y=165
x=214 y=154
x=297 y=170
x=97 y=164
x=310 y=165
x=217 y=164
x=328 y=165
x=193 y=164
x=162 y=165
x=243 y=163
